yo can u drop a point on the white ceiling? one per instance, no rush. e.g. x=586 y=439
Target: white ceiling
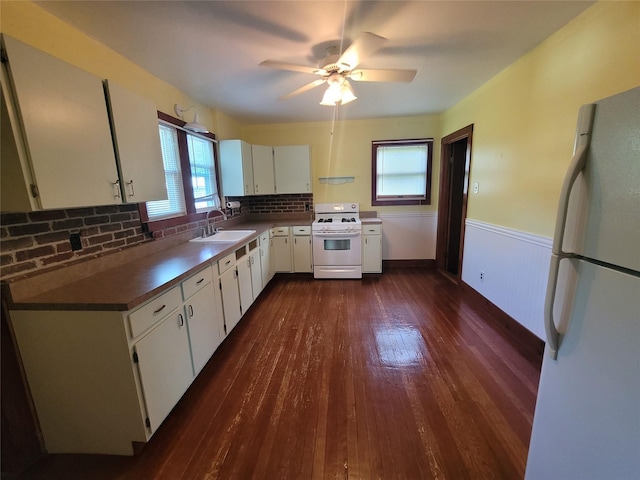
x=210 y=50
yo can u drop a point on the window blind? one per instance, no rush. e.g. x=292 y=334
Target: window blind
x=175 y=204
x=401 y=171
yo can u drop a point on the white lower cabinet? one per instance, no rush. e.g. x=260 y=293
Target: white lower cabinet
x=243 y=268
x=202 y=317
x=101 y=380
x=372 y=249
x=265 y=258
x=302 y=256
x=281 y=249
x=164 y=364
x=230 y=292
x=256 y=272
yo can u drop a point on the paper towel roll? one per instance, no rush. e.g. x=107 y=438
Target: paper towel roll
x=233 y=204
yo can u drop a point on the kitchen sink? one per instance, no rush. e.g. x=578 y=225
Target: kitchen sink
x=225 y=236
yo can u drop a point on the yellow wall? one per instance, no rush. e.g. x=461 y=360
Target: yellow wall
x=347 y=152
x=35 y=26
x=524 y=118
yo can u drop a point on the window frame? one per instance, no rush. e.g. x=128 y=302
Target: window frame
x=192 y=215
x=374 y=172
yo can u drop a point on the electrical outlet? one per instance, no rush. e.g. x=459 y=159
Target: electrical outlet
x=481 y=276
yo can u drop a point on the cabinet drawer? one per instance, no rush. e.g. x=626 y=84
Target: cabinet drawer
x=146 y=316
x=226 y=262
x=302 y=230
x=372 y=229
x=280 y=231
x=195 y=282
x=264 y=238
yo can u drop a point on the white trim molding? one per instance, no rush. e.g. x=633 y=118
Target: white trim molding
x=510 y=269
x=409 y=236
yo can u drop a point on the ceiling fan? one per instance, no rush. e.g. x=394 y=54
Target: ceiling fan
x=336 y=70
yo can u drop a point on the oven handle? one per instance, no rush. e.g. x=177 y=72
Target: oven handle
x=336 y=234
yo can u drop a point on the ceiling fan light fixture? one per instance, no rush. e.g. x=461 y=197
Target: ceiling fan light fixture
x=338 y=93
x=332 y=95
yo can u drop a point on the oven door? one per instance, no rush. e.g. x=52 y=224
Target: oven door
x=337 y=248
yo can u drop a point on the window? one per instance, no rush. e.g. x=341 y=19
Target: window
x=203 y=173
x=190 y=167
x=174 y=205
x=401 y=172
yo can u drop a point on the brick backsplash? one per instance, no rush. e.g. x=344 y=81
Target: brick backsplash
x=30 y=242
x=291 y=203
x=36 y=240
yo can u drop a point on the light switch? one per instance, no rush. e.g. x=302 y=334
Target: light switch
x=476 y=187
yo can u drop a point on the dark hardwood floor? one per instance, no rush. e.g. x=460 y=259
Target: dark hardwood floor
x=400 y=376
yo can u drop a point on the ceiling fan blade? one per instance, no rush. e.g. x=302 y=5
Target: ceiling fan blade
x=303 y=89
x=292 y=67
x=364 y=45
x=381 y=75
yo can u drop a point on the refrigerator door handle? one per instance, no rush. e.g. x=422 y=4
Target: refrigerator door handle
x=578 y=162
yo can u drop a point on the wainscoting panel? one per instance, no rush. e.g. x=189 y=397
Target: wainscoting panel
x=510 y=269
x=409 y=236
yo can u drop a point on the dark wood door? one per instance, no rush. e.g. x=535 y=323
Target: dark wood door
x=454 y=183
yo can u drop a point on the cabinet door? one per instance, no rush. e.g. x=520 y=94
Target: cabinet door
x=302 y=253
x=164 y=363
x=134 y=124
x=372 y=253
x=66 y=129
x=263 y=174
x=281 y=251
x=292 y=165
x=244 y=283
x=230 y=299
x=265 y=259
x=204 y=336
x=236 y=168
x=256 y=272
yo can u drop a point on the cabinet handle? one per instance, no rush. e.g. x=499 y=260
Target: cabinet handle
x=180 y=320
x=191 y=310
x=227 y=262
x=115 y=188
x=133 y=193
x=200 y=281
x=159 y=310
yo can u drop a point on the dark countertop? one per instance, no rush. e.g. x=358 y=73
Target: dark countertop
x=127 y=286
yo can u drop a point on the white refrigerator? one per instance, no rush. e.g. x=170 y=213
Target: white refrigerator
x=587 y=418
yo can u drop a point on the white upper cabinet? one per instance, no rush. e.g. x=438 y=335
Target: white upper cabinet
x=134 y=126
x=264 y=170
x=263 y=174
x=293 y=169
x=58 y=149
x=236 y=167
x=60 y=112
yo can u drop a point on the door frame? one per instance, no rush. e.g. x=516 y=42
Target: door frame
x=445 y=195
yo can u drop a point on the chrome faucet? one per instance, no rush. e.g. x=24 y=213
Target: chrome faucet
x=209 y=231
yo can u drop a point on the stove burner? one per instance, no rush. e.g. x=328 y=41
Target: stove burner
x=353 y=220
x=325 y=220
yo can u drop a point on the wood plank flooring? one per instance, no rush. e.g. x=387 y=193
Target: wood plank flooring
x=398 y=376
